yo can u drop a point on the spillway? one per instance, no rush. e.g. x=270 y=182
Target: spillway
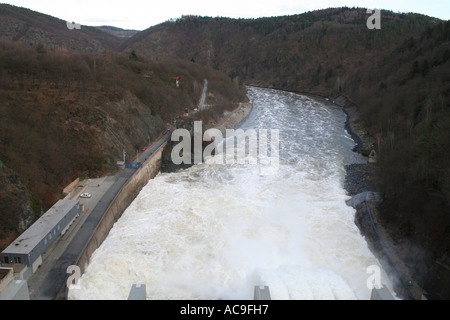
x=214 y=231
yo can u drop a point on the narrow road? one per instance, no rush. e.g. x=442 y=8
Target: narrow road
x=51 y=276
x=201 y=105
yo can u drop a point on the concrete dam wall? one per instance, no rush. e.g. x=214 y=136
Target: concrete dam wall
x=122 y=200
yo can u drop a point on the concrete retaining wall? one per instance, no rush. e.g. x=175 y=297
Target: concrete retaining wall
x=71 y=186
x=123 y=199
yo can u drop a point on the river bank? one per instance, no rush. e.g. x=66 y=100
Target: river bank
x=229 y=120
x=397 y=255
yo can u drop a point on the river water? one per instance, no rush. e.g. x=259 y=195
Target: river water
x=214 y=231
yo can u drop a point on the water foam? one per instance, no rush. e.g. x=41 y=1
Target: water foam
x=216 y=231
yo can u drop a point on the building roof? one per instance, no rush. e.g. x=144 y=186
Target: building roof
x=29 y=239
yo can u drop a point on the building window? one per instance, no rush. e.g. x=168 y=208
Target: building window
x=6 y=260
x=17 y=260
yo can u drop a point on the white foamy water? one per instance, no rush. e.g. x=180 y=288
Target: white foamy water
x=216 y=231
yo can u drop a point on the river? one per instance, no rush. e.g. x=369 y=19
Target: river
x=214 y=231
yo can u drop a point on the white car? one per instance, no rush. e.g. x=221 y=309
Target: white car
x=85 y=195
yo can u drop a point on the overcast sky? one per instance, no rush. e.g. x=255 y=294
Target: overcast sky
x=142 y=14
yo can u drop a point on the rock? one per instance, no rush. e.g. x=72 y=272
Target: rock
x=16 y=214
x=358 y=178
x=372 y=156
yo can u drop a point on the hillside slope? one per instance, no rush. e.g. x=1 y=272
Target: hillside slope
x=68 y=115
x=50 y=33
x=312 y=52
x=118 y=32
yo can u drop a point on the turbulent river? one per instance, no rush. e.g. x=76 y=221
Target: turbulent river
x=214 y=231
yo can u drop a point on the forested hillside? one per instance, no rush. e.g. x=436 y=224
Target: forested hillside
x=34 y=28
x=67 y=115
x=404 y=99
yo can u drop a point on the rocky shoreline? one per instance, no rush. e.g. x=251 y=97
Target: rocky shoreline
x=395 y=256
